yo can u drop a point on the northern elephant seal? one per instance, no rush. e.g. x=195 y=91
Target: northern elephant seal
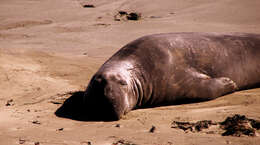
x=163 y=69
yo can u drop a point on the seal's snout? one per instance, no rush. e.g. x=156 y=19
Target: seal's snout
x=113 y=100
x=107 y=110
x=105 y=98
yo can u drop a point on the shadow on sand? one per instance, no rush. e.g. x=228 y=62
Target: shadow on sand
x=74 y=108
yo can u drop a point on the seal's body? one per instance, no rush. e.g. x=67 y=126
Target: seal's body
x=164 y=69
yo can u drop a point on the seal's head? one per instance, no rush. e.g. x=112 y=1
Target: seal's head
x=110 y=92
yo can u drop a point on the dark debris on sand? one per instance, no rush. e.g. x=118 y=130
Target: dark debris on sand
x=124 y=16
x=88 y=6
x=198 y=126
x=22 y=141
x=9 y=102
x=236 y=125
x=152 y=129
x=239 y=125
x=123 y=142
x=36 y=122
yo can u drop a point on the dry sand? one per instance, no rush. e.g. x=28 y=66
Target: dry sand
x=51 y=47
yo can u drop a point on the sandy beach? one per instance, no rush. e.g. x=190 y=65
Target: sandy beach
x=51 y=48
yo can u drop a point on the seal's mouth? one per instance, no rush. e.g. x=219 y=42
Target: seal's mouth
x=106 y=110
x=104 y=102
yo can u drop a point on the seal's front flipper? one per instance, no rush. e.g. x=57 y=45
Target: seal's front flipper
x=207 y=88
x=226 y=85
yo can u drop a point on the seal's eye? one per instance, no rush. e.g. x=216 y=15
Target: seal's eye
x=98 y=80
x=122 y=82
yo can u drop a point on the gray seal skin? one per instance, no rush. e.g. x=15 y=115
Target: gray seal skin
x=162 y=69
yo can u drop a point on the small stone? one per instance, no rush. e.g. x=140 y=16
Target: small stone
x=9 y=102
x=134 y=16
x=117 y=125
x=60 y=129
x=37 y=143
x=122 y=12
x=21 y=141
x=152 y=129
x=88 y=6
x=36 y=122
x=124 y=16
